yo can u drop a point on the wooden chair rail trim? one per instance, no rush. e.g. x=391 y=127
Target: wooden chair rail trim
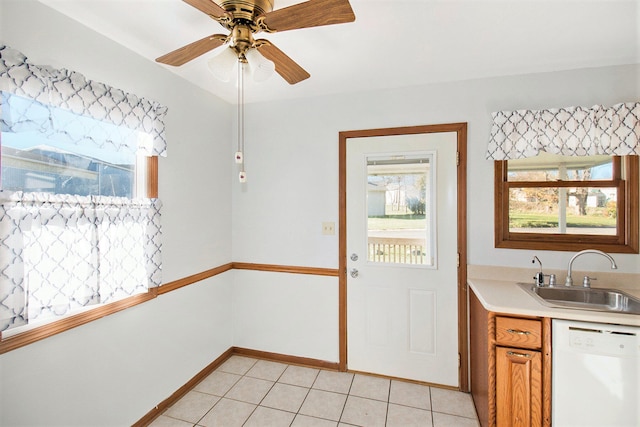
x=41 y=332
x=315 y=271
x=189 y=280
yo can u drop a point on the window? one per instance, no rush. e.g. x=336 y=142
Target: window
x=76 y=157
x=567 y=203
x=567 y=178
x=400 y=210
x=79 y=214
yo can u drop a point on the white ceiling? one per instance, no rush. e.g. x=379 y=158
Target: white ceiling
x=392 y=43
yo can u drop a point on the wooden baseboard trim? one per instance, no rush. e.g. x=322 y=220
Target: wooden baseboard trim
x=284 y=358
x=178 y=394
x=256 y=354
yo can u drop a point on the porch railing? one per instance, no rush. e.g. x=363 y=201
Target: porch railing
x=397 y=250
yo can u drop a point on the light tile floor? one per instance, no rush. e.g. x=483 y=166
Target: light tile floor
x=245 y=391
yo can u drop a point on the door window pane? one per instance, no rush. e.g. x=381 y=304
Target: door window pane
x=400 y=210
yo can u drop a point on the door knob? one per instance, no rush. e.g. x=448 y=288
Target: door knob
x=354 y=273
x=354 y=257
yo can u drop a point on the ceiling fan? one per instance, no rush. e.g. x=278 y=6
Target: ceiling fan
x=244 y=18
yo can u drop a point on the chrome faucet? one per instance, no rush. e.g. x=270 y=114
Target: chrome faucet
x=539 y=277
x=569 y=281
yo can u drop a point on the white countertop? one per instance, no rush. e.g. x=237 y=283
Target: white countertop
x=507 y=297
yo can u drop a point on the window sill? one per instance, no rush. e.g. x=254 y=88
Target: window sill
x=40 y=332
x=538 y=242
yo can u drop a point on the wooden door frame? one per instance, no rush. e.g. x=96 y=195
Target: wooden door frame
x=461 y=132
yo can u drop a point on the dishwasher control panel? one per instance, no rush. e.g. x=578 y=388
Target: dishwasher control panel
x=604 y=341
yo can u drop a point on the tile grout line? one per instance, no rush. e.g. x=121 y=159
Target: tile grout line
x=347 y=399
x=386 y=418
x=305 y=397
x=219 y=397
x=278 y=379
x=243 y=375
x=265 y=395
x=431 y=406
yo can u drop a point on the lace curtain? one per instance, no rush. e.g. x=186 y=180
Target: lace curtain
x=63 y=252
x=60 y=253
x=572 y=131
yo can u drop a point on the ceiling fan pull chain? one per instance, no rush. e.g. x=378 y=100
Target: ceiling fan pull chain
x=240 y=154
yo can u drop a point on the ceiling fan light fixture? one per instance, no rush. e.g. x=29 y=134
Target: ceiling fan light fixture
x=244 y=18
x=261 y=68
x=221 y=65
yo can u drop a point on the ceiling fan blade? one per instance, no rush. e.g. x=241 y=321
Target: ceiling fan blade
x=285 y=66
x=192 y=50
x=208 y=7
x=312 y=13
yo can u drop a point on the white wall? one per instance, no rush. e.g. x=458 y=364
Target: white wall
x=292 y=165
x=113 y=371
x=292 y=314
x=292 y=159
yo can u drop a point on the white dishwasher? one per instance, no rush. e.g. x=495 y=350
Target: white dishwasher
x=595 y=375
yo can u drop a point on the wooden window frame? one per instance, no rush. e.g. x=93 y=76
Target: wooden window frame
x=56 y=326
x=626 y=238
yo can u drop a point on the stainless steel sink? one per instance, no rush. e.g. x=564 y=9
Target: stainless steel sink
x=598 y=299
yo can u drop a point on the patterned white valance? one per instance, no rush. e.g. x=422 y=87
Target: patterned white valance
x=572 y=131
x=27 y=87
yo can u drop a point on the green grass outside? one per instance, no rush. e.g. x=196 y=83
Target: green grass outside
x=397 y=222
x=516 y=220
x=537 y=220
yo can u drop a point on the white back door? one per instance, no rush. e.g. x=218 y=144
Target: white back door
x=402 y=256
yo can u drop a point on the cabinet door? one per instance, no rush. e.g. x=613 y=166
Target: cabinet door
x=518 y=387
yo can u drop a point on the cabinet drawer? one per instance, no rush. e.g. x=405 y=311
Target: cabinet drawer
x=525 y=333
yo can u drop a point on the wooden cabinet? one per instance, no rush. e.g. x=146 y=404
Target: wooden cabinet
x=517 y=332
x=510 y=368
x=518 y=387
